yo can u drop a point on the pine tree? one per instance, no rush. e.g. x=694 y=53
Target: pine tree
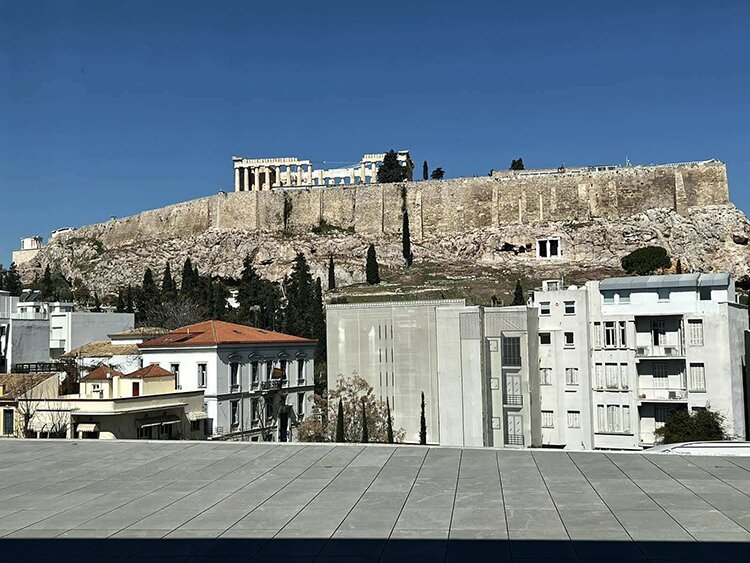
x=425 y=171
x=389 y=421
x=12 y=281
x=48 y=290
x=391 y=170
x=300 y=296
x=258 y=299
x=518 y=298
x=517 y=164
x=422 y=425
x=331 y=274
x=438 y=174
x=120 y=307
x=372 y=270
x=168 y=285
x=340 y=423
x=365 y=434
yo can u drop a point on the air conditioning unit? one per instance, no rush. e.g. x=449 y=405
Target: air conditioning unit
x=673 y=395
x=641 y=351
x=670 y=351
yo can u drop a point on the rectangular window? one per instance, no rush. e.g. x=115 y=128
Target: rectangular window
x=202 y=374
x=234 y=374
x=8 y=420
x=624 y=376
x=570 y=307
x=663 y=294
x=599 y=376
x=610 y=337
x=613 y=418
x=254 y=373
x=705 y=293
x=609 y=297
x=612 y=373
x=660 y=415
x=624 y=297
x=658 y=333
x=548 y=419
x=626 y=419
x=571 y=376
x=175 y=369
x=597 y=335
x=544 y=308
x=545 y=376
x=255 y=411
x=195 y=426
x=282 y=367
x=300 y=405
x=695 y=332
x=235 y=414
x=269 y=370
x=574 y=419
x=601 y=419
x=623 y=333
x=300 y=371
x=697 y=377
x=661 y=379
x=511 y=350
x=569 y=339
x=545 y=338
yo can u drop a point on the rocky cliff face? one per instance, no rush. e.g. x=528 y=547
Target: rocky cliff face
x=704 y=238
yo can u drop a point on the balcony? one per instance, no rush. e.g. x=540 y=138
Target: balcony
x=514 y=440
x=664 y=351
x=662 y=395
x=512 y=400
x=271 y=384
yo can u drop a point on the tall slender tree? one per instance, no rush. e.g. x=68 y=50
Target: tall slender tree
x=391 y=170
x=97 y=308
x=129 y=308
x=425 y=171
x=518 y=297
x=331 y=274
x=340 y=423
x=48 y=290
x=405 y=232
x=120 y=307
x=12 y=280
x=168 y=285
x=318 y=328
x=365 y=434
x=300 y=297
x=389 y=421
x=422 y=425
x=372 y=269
x=187 y=285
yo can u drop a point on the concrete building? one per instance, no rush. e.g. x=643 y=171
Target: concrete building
x=617 y=356
x=24 y=336
x=20 y=395
x=119 y=352
x=476 y=367
x=70 y=330
x=257 y=383
x=258 y=174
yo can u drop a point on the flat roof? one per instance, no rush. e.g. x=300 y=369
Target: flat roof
x=373 y=503
x=680 y=281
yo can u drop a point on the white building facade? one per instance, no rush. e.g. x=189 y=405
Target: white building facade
x=257 y=384
x=618 y=356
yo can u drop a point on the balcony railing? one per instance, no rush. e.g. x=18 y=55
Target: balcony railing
x=665 y=351
x=37 y=367
x=514 y=440
x=662 y=394
x=513 y=400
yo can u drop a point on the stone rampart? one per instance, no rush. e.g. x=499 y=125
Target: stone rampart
x=436 y=208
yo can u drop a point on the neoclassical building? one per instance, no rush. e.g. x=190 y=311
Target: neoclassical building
x=254 y=174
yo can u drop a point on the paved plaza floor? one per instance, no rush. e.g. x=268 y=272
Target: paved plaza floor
x=212 y=501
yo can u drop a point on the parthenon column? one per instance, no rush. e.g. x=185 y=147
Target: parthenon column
x=236 y=179
x=276 y=176
x=256 y=178
x=362 y=178
x=288 y=175
x=246 y=178
x=310 y=171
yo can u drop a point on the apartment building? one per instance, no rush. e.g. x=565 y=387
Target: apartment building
x=257 y=383
x=476 y=366
x=617 y=356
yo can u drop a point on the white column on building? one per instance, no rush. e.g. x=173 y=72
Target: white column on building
x=246 y=178
x=236 y=179
x=256 y=178
x=310 y=171
x=362 y=173
x=276 y=176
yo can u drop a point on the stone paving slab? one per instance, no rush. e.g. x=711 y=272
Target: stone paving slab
x=209 y=501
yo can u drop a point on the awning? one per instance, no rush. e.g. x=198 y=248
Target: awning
x=199 y=415
x=87 y=427
x=156 y=421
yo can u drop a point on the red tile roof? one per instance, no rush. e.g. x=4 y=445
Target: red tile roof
x=102 y=373
x=154 y=370
x=214 y=333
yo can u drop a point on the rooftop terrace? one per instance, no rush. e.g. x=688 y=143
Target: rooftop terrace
x=115 y=501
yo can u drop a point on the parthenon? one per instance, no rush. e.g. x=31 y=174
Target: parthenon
x=256 y=174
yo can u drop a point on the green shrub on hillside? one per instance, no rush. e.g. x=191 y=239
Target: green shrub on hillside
x=646 y=260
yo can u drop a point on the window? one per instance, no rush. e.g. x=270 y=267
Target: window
x=548 y=248
x=545 y=376
x=658 y=333
x=612 y=374
x=195 y=426
x=234 y=374
x=705 y=293
x=613 y=418
x=570 y=307
x=626 y=419
x=202 y=374
x=282 y=366
x=624 y=297
x=175 y=369
x=548 y=419
x=545 y=338
x=511 y=350
x=235 y=414
x=695 y=332
x=254 y=373
x=660 y=415
x=571 y=376
x=597 y=335
x=544 y=308
x=300 y=405
x=697 y=377
x=301 y=371
x=609 y=297
x=663 y=294
x=624 y=377
x=8 y=420
x=255 y=410
x=569 y=339
x=269 y=369
x=599 y=376
x=623 y=333
x=610 y=337
x=661 y=380
x=574 y=419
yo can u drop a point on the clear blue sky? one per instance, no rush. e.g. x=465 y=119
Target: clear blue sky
x=110 y=108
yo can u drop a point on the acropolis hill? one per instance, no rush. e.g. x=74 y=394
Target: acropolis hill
x=535 y=222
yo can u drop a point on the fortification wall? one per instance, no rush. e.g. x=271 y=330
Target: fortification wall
x=436 y=208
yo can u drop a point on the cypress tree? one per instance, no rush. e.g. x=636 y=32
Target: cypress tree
x=168 y=285
x=389 y=421
x=518 y=298
x=405 y=234
x=372 y=270
x=120 y=307
x=422 y=425
x=340 y=423
x=129 y=300
x=12 y=281
x=425 y=171
x=47 y=287
x=331 y=274
x=318 y=328
x=97 y=304
x=678 y=267
x=391 y=169
x=299 y=313
x=188 y=278
x=365 y=435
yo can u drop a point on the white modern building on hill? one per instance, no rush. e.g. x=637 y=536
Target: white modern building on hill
x=258 y=384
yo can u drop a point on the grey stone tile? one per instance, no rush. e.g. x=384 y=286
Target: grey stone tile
x=590 y=520
x=468 y=518
x=424 y=519
x=534 y=521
